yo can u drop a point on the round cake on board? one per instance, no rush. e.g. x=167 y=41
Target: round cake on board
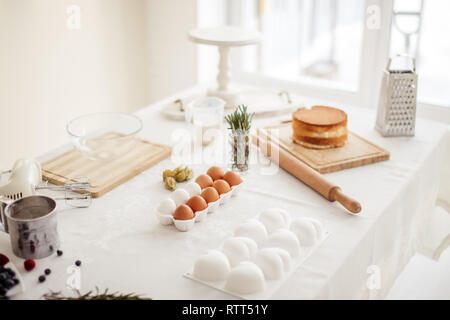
x=320 y=127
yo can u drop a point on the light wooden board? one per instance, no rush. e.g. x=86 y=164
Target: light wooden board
x=357 y=151
x=104 y=175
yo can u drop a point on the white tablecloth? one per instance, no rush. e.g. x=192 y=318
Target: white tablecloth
x=123 y=247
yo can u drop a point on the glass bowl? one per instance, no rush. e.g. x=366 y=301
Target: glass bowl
x=104 y=136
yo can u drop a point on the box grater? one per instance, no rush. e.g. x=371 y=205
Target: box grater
x=396 y=115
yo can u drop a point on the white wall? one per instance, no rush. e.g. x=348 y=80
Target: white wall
x=210 y=13
x=172 y=59
x=127 y=54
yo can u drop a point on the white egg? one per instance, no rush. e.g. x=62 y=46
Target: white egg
x=274 y=219
x=180 y=196
x=285 y=239
x=193 y=188
x=305 y=231
x=213 y=266
x=252 y=229
x=236 y=251
x=246 y=278
x=167 y=207
x=270 y=263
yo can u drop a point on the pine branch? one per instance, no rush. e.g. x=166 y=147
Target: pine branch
x=52 y=295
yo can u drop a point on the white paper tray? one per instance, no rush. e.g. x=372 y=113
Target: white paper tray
x=271 y=285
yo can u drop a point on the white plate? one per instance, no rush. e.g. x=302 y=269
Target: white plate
x=172 y=111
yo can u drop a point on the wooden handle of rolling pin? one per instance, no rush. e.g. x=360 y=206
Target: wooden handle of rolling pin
x=349 y=203
x=306 y=174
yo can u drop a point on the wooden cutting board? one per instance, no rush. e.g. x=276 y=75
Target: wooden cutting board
x=104 y=176
x=356 y=152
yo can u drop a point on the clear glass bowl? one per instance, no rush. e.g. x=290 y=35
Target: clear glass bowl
x=104 y=136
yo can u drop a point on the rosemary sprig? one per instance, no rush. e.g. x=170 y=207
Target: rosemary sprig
x=54 y=295
x=240 y=119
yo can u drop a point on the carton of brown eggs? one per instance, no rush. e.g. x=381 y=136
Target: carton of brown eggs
x=261 y=255
x=190 y=204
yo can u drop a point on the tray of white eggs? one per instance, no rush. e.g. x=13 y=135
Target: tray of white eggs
x=261 y=255
x=191 y=204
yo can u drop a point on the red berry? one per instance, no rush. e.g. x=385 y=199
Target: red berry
x=29 y=264
x=3 y=259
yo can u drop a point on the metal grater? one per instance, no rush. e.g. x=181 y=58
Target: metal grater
x=396 y=115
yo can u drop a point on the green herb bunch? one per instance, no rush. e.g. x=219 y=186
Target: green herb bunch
x=240 y=122
x=240 y=119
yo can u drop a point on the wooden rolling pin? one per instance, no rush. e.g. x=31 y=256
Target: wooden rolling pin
x=306 y=174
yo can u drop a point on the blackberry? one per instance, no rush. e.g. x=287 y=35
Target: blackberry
x=41 y=278
x=47 y=271
x=9 y=284
x=7 y=281
x=78 y=263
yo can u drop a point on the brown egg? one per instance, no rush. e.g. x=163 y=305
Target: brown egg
x=210 y=194
x=197 y=203
x=183 y=212
x=221 y=186
x=215 y=173
x=232 y=178
x=204 y=181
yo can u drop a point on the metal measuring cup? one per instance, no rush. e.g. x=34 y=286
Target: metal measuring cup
x=32 y=225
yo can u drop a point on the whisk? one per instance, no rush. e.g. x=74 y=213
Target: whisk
x=26 y=178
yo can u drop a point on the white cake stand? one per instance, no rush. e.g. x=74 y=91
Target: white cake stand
x=224 y=38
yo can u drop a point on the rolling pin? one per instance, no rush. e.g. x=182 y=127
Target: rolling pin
x=306 y=174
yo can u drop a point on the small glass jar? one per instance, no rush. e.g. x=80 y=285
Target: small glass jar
x=207 y=116
x=240 y=149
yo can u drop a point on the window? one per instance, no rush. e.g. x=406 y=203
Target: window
x=326 y=48
x=309 y=40
x=420 y=28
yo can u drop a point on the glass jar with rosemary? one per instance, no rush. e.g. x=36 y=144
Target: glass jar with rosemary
x=239 y=124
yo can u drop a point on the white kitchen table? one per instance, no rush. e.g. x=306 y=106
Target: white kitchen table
x=123 y=248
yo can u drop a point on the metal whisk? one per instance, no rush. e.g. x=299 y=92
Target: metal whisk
x=26 y=178
x=71 y=197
